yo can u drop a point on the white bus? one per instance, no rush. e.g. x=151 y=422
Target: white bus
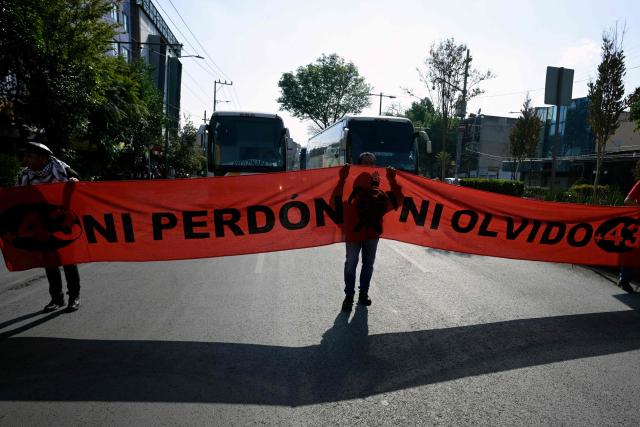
x=393 y=140
x=248 y=142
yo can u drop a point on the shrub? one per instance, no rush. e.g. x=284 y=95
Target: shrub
x=501 y=186
x=9 y=168
x=581 y=181
x=582 y=193
x=535 y=192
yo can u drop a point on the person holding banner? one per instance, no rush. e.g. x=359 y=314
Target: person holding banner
x=626 y=273
x=371 y=204
x=42 y=168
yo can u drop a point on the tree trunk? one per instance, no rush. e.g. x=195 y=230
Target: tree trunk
x=443 y=161
x=598 y=163
x=445 y=129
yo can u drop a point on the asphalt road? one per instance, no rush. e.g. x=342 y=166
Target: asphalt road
x=450 y=339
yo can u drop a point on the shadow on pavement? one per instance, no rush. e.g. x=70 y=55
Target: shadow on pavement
x=347 y=364
x=33 y=324
x=20 y=319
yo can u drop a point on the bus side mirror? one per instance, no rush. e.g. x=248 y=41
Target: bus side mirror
x=287 y=139
x=345 y=133
x=425 y=138
x=344 y=142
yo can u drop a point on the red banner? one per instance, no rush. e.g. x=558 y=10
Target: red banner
x=70 y=223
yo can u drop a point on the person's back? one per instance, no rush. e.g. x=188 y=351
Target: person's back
x=41 y=167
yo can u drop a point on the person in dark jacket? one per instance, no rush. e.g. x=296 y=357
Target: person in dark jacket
x=626 y=273
x=371 y=204
x=41 y=167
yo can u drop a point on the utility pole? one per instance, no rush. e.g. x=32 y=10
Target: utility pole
x=381 y=95
x=215 y=91
x=462 y=114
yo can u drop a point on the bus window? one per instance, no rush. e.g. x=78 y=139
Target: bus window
x=247 y=143
x=392 y=142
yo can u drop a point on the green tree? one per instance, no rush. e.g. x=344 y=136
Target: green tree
x=635 y=108
x=421 y=113
x=9 y=169
x=525 y=134
x=126 y=119
x=445 y=74
x=185 y=156
x=444 y=159
x=606 y=95
x=324 y=91
x=51 y=63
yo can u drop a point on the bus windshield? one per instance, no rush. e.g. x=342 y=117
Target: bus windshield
x=245 y=143
x=390 y=141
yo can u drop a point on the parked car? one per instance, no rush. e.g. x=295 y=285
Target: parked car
x=454 y=181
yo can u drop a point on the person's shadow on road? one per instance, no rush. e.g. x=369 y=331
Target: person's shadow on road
x=343 y=353
x=27 y=326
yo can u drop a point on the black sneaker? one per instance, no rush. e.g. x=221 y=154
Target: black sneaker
x=364 y=299
x=53 y=305
x=347 y=303
x=625 y=286
x=74 y=303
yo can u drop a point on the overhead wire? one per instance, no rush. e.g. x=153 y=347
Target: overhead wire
x=196 y=83
x=197 y=41
x=212 y=74
x=208 y=55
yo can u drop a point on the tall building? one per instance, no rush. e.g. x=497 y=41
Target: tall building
x=143 y=34
x=575 y=149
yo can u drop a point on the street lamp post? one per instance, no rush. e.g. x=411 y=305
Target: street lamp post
x=166 y=104
x=177 y=48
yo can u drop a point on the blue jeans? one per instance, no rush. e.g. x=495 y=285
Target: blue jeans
x=368 y=248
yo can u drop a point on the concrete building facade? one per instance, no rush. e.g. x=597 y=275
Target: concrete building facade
x=144 y=34
x=485 y=146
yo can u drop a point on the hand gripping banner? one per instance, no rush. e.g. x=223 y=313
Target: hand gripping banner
x=70 y=223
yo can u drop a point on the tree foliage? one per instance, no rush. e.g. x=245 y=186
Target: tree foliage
x=127 y=117
x=525 y=134
x=422 y=113
x=185 y=156
x=606 y=94
x=57 y=79
x=444 y=158
x=324 y=91
x=444 y=74
x=52 y=61
x=635 y=108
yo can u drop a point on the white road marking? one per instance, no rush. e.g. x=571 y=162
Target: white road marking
x=407 y=257
x=259 y=263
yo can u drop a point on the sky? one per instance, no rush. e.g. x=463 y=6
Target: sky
x=252 y=43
